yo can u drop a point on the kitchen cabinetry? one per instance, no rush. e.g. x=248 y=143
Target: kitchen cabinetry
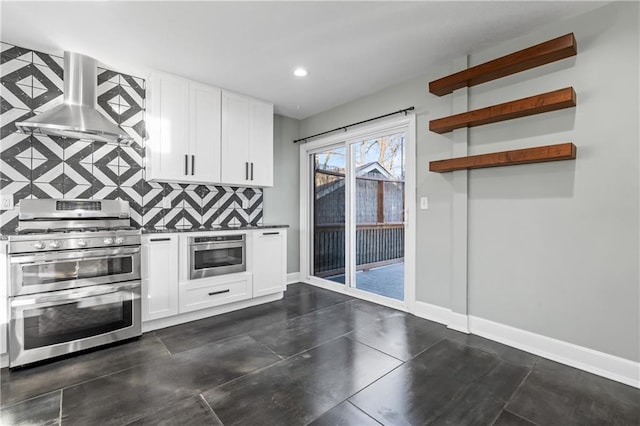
x=209 y=292
x=160 y=276
x=170 y=296
x=269 y=261
x=184 y=130
x=247 y=141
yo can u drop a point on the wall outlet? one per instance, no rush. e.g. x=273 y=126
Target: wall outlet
x=245 y=204
x=166 y=203
x=424 y=203
x=6 y=202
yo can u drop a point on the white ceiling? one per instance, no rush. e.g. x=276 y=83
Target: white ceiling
x=351 y=49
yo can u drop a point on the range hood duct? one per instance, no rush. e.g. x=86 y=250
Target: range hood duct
x=77 y=117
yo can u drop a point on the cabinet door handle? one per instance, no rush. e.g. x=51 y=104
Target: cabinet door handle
x=193 y=164
x=246 y=170
x=213 y=293
x=251 y=171
x=270 y=233
x=186 y=164
x=153 y=240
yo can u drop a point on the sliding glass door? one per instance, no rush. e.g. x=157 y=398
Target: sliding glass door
x=358 y=214
x=328 y=213
x=378 y=189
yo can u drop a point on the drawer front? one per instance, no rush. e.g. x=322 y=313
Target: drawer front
x=194 y=296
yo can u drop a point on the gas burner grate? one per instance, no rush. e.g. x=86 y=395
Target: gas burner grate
x=119 y=228
x=78 y=229
x=30 y=231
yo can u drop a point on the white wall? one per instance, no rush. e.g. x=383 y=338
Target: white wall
x=433 y=244
x=553 y=247
x=282 y=202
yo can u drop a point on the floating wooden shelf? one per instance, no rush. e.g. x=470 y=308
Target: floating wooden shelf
x=531 y=57
x=540 y=154
x=545 y=102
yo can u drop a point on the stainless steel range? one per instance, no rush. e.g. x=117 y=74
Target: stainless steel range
x=74 y=271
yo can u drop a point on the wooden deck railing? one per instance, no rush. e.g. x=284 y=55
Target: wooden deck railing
x=376 y=245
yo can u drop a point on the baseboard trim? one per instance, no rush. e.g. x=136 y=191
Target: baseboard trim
x=432 y=312
x=293 y=277
x=458 y=322
x=599 y=363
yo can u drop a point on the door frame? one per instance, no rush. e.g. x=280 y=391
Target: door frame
x=406 y=123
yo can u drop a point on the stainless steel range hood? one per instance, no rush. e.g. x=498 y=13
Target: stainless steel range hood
x=77 y=117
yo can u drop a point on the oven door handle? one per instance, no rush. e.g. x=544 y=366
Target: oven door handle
x=216 y=245
x=55 y=297
x=73 y=254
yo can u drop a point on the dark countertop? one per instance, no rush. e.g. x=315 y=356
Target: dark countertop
x=210 y=229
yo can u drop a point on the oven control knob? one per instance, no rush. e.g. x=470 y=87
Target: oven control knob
x=119 y=240
x=82 y=243
x=54 y=244
x=108 y=241
x=39 y=245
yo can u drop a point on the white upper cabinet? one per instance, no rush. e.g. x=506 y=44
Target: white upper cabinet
x=184 y=130
x=204 y=128
x=247 y=141
x=168 y=131
x=235 y=139
x=261 y=144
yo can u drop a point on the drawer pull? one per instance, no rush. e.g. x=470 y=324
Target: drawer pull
x=213 y=293
x=153 y=240
x=270 y=233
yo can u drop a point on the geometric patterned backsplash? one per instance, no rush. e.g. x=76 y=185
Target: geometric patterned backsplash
x=37 y=166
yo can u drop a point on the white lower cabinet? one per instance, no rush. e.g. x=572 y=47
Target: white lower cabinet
x=269 y=261
x=167 y=290
x=209 y=292
x=160 y=276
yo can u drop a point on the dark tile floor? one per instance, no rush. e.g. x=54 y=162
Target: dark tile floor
x=315 y=357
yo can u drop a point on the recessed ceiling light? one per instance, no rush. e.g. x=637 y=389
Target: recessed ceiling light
x=300 y=72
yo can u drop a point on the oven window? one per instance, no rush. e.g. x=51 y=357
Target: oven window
x=217 y=258
x=67 y=270
x=77 y=320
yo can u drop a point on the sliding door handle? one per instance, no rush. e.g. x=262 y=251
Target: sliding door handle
x=251 y=171
x=193 y=164
x=186 y=164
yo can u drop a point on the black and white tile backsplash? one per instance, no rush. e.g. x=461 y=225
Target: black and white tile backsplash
x=50 y=167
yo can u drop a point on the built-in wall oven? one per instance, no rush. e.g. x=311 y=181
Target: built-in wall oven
x=49 y=324
x=39 y=272
x=74 y=284
x=216 y=255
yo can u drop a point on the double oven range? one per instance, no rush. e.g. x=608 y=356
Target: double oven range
x=74 y=278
